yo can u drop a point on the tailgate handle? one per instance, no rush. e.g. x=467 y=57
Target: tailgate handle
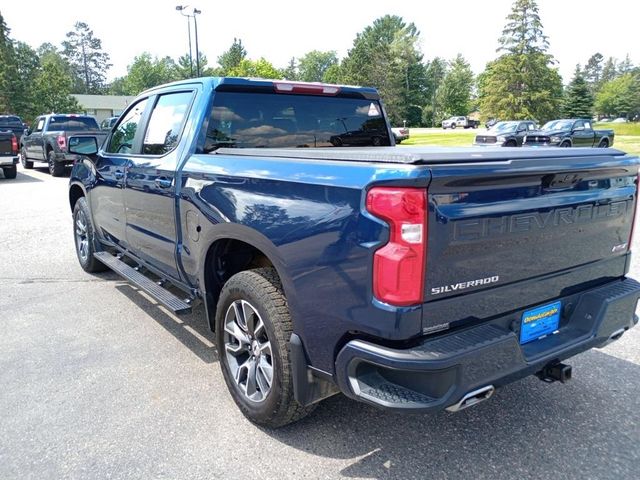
x=561 y=180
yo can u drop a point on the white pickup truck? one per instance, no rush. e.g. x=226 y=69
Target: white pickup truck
x=463 y=122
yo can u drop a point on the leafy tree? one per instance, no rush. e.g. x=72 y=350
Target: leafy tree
x=454 y=94
x=521 y=84
x=313 y=65
x=53 y=87
x=578 y=101
x=184 y=70
x=385 y=55
x=8 y=73
x=146 y=72
x=332 y=74
x=84 y=53
x=27 y=68
x=260 y=68
x=592 y=72
x=620 y=97
x=232 y=57
x=291 y=72
x=435 y=71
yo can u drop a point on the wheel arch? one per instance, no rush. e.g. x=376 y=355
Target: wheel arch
x=76 y=191
x=237 y=250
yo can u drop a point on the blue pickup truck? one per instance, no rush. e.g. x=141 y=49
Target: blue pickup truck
x=329 y=260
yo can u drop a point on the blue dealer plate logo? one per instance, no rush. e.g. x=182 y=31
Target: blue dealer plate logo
x=540 y=321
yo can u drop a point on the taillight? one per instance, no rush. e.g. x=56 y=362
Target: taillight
x=399 y=266
x=14 y=144
x=635 y=211
x=62 y=142
x=306 y=88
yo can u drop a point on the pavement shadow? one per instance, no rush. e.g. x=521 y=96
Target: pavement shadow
x=191 y=330
x=585 y=429
x=20 y=178
x=45 y=170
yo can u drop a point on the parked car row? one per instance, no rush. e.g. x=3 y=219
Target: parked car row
x=564 y=133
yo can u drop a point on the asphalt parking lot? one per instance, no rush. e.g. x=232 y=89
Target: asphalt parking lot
x=97 y=381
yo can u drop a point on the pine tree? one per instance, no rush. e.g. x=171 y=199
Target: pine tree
x=83 y=51
x=385 y=55
x=231 y=58
x=291 y=72
x=522 y=83
x=578 y=101
x=592 y=72
x=610 y=70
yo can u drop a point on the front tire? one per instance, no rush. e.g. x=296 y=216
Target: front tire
x=23 y=159
x=10 y=172
x=56 y=169
x=253 y=328
x=565 y=144
x=84 y=237
x=453 y=126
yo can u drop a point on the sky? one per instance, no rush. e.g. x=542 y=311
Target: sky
x=280 y=29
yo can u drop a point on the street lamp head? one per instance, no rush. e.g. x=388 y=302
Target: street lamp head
x=181 y=7
x=196 y=11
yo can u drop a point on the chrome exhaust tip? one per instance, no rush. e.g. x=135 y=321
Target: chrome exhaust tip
x=473 y=398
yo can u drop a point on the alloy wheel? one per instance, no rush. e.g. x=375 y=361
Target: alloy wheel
x=248 y=350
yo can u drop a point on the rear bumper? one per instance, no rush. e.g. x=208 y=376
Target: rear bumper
x=439 y=372
x=8 y=161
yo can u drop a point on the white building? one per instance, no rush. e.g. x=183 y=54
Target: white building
x=103 y=106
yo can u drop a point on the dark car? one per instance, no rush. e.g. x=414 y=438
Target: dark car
x=108 y=123
x=506 y=134
x=47 y=141
x=13 y=124
x=574 y=132
x=490 y=123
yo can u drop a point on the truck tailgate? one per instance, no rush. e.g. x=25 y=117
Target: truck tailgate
x=498 y=224
x=5 y=144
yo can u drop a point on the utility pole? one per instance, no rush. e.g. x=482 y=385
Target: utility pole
x=195 y=24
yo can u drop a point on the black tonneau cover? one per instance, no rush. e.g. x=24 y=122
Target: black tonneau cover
x=420 y=155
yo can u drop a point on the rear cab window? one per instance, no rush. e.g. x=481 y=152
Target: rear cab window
x=271 y=120
x=72 y=123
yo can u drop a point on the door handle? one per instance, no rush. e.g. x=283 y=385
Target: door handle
x=163 y=182
x=119 y=174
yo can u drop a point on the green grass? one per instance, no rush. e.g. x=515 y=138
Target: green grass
x=440 y=138
x=627 y=137
x=632 y=129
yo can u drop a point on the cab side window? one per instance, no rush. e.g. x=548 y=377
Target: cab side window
x=39 y=125
x=165 y=123
x=122 y=139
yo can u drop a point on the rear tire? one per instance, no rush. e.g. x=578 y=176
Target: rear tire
x=56 y=169
x=253 y=329
x=23 y=159
x=84 y=238
x=604 y=143
x=10 y=172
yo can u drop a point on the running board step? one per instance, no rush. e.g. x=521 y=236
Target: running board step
x=162 y=295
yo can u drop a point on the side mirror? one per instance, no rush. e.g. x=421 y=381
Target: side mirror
x=27 y=131
x=86 y=145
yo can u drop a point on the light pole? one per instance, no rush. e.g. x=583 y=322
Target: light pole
x=181 y=9
x=195 y=24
